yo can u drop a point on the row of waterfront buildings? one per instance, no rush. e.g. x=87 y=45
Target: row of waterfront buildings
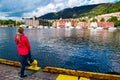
x=73 y=22
x=77 y=23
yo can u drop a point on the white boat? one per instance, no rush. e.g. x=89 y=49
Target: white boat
x=30 y=27
x=99 y=28
x=71 y=27
x=51 y=27
x=78 y=27
x=58 y=27
x=45 y=26
x=112 y=28
x=40 y=26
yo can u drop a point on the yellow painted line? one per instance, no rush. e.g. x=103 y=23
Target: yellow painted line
x=11 y=63
x=66 y=77
x=34 y=65
x=83 y=78
x=91 y=75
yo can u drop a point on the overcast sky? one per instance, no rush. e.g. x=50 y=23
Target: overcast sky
x=27 y=8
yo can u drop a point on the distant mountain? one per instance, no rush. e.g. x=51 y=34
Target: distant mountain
x=68 y=12
x=88 y=10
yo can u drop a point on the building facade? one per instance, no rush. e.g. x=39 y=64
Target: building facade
x=107 y=16
x=77 y=23
x=35 y=22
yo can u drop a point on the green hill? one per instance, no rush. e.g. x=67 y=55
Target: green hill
x=88 y=10
x=69 y=12
x=103 y=9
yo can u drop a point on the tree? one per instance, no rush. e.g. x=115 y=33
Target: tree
x=115 y=20
x=19 y=22
x=102 y=20
x=7 y=22
x=112 y=19
x=72 y=23
x=83 y=20
x=117 y=23
x=94 y=20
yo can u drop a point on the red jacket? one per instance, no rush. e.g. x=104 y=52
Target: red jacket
x=23 y=45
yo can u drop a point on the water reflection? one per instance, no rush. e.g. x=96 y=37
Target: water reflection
x=7 y=46
x=79 y=49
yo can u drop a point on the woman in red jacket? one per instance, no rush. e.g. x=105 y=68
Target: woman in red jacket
x=23 y=46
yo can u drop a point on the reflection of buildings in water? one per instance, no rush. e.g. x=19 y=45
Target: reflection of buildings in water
x=77 y=33
x=54 y=32
x=93 y=32
x=100 y=35
x=117 y=36
x=45 y=33
x=38 y=34
x=84 y=33
x=62 y=32
x=114 y=36
x=57 y=32
x=105 y=35
x=68 y=32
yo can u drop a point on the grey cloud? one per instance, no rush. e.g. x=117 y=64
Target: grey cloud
x=18 y=7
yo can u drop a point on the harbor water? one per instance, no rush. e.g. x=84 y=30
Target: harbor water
x=78 y=49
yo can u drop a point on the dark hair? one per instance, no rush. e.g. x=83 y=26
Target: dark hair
x=20 y=30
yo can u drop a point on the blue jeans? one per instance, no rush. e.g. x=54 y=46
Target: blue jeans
x=24 y=61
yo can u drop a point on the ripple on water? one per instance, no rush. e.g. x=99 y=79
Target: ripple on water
x=73 y=49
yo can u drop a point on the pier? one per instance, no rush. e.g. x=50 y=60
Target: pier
x=10 y=71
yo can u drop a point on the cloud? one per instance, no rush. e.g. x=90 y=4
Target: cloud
x=71 y=3
x=102 y=1
x=41 y=10
x=2 y=15
x=46 y=9
x=59 y=6
x=29 y=8
x=20 y=6
x=58 y=1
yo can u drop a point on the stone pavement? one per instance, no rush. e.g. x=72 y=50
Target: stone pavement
x=12 y=73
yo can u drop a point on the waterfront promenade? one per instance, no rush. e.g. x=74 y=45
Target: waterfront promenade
x=12 y=73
